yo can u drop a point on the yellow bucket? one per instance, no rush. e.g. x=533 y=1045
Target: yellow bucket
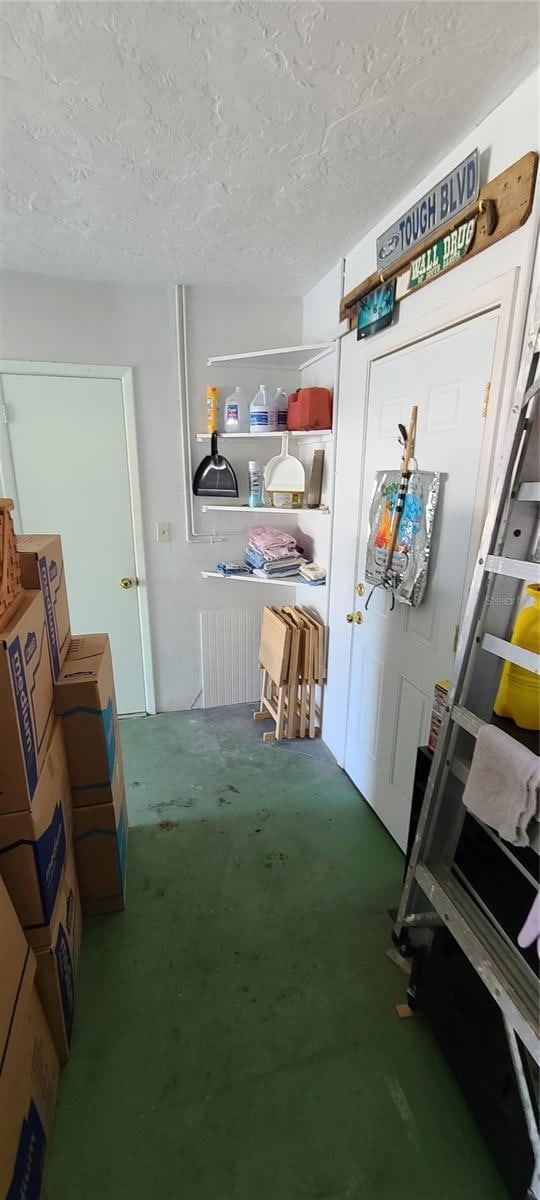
x=519 y=690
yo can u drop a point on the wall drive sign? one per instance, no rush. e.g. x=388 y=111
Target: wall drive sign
x=449 y=197
x=444 y=253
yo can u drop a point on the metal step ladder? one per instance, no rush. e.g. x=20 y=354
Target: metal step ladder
x=435 y=891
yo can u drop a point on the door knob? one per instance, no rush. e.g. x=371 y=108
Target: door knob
x=360 y=589
x=126 y=582
x=355 y=618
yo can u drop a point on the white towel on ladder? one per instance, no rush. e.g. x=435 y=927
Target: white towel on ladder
x=503 y=788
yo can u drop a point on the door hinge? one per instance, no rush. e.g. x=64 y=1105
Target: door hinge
x=485 y=402
x=5 y=413
x=456 y=639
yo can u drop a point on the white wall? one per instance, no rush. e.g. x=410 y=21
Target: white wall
x=58 y=320
x=509 y=132
x=321 y=306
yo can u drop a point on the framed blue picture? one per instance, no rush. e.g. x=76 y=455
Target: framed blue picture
x=375 y=311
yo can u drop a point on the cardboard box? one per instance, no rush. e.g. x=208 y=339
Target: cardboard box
x=85 y=699
x=57 y=966
x=26 y=703
x=28 y=1089
x=16 y=959
x=42 y=566
x=33 y=846
x=29 y=1067
x=100 y=842
x=440 y=697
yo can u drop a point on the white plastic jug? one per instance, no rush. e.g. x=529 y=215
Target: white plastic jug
x=281 y=403
x=236 y=412
x=262 y=414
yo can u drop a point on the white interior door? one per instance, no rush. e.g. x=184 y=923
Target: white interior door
x=65 y=455
x=398 y=656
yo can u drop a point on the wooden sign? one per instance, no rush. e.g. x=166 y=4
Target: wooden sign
x=446 y=252
x=503 y=205
x=458 y=190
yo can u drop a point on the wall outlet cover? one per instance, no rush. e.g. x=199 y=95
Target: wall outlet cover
x=163 y=531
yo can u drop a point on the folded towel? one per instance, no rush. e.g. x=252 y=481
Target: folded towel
x=257 y=559
x=313 y=574
x=234 y=568
x=291 y=573
x=503 y=788
x=271 y=542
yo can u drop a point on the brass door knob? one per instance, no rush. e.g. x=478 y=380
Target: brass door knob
x=355 y=618
x=360 y=589
x=126 y=582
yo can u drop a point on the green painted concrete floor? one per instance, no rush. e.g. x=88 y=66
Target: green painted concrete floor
x=236 y=1035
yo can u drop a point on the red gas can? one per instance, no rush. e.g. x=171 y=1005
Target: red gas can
x=310 y=408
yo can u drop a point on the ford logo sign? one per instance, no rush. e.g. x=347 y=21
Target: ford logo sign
x=389 y=246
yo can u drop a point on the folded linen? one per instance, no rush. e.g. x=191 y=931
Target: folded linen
x=234 y=568
x=503 y=787
x=313 y=574
x=273 y=543
x=257 y=559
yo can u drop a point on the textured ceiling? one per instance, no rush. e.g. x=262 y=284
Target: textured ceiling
x=242 y=144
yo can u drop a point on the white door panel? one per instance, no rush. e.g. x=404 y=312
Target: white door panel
x=69 y=463
x=397 y=656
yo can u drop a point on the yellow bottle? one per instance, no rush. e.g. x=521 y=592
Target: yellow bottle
x=519 y=690
x=212 y=394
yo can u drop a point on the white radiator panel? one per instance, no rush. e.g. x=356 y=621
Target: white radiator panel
x=230 y=657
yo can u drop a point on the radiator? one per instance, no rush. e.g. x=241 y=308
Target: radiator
x=230 y=657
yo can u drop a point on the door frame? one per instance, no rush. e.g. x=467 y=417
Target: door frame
x=125 y=377
x=499 y=296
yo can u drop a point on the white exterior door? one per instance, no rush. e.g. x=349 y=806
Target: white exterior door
x=63 y=458
x=398 y=656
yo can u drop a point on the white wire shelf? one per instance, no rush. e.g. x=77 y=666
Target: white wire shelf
x=276 y=512
x=293 y=581
x=295 y=358
x=320 y=434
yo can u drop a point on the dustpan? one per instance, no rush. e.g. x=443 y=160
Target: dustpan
x=214 y=475
x=284 y=472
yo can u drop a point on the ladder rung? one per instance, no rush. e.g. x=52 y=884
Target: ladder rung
x=505 y=849
x=467 y=720
x=513 y=568
x=531 y=393
x=459 y=769
x=527 y=659
x=498 y=965
x=529 y=491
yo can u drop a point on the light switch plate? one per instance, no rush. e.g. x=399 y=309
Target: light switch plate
x=163 y=531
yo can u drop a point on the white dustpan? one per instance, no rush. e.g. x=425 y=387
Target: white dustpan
x=284 y=472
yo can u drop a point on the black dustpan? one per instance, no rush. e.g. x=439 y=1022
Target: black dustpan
x=215 y=476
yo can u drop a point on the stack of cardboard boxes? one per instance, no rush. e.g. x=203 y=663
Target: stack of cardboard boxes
x=86 y=704
x=63 y=826
x=29 y=1064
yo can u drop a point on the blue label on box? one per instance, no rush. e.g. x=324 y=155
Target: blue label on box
x=70 y=909
x=66 y=978
x=49 y=614
x=30 y=646
x=28 y=1170
x=24 y=718
x=121 y=847
x=49 y=855
x=106 y=716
